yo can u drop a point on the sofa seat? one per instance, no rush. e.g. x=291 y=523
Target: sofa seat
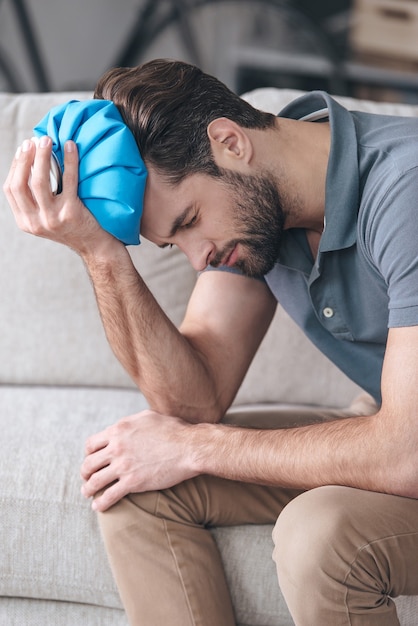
x=31 y=612
x=51 y=546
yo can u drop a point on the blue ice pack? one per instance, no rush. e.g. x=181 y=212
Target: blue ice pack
x=112 y=173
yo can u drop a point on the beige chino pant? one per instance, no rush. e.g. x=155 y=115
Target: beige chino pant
x=341 y=553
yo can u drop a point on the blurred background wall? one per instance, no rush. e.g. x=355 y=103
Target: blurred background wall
x=77 y=38
x=366 y=48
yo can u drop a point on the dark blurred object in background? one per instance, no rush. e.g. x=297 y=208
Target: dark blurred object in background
x=360 y=48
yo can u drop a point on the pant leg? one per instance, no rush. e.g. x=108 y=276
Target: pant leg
x=164 y=559
x=343 y=553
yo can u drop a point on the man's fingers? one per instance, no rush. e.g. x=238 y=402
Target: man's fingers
x=96 y=442
x=109 y=497
x=98 y=480
x=7 y=182
x=94 y=462
x=70 y=176
x=40 y=176
x=30 y=171
x=16 y=186
x=21 y=168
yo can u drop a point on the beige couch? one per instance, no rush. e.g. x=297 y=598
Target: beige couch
x=59 y=382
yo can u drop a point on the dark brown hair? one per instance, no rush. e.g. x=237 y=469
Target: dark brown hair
x=168 y=106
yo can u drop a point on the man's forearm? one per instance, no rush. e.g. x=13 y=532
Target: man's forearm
x=361 y=452
x=169 y=371
x=160 y=451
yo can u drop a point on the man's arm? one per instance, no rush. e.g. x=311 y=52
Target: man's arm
x=377 y=452
x=194 y=373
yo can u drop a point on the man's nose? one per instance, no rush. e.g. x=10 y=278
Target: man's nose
x=199 y=255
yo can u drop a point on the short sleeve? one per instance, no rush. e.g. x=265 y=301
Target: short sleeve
x=392 y=246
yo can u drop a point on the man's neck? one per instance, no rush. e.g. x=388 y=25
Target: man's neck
x=299 y=153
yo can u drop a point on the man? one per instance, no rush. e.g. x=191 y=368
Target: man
x=315 y=208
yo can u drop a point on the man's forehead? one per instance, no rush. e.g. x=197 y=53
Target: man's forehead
x=164 y=204
x=160 y=191
x=159 y=186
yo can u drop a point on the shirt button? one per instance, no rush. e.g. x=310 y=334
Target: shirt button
x=328 y=312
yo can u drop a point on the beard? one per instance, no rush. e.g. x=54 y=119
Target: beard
x=258 y=216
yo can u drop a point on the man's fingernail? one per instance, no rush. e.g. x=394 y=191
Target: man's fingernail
x=69 y=146
x=26 y=145
x=44 y=141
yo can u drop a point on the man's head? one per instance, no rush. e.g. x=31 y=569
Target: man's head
x=178 y=114
x=168 y=105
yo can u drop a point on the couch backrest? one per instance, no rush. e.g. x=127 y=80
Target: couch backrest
x=51 y=332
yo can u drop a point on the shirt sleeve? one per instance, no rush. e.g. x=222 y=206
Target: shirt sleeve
x=392 y=243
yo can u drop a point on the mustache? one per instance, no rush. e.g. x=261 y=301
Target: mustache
x=249 y=242
x=223 y=254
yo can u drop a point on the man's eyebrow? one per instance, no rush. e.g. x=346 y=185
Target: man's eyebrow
x=180 y=219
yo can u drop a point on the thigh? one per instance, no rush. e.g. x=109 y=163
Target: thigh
x=353 y=549
x=211 y=501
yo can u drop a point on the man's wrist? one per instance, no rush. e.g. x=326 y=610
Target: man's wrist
x=207 y=448
x=102 y=249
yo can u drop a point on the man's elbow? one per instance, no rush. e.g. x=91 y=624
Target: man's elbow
x=210 y=412
x=396 y=468
x=402 y=477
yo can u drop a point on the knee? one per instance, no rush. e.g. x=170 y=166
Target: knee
x=125 y=512
x=182 y=503
x=311 y=536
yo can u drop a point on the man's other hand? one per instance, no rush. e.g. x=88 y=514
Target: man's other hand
x=143 y=452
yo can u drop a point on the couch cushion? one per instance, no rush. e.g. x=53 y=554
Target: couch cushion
x=28 y=612
x=251 y=574
x=51 y=546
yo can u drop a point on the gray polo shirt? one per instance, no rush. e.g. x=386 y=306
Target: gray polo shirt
x=365 y=276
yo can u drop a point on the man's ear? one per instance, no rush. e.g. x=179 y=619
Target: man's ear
x=231 y=144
